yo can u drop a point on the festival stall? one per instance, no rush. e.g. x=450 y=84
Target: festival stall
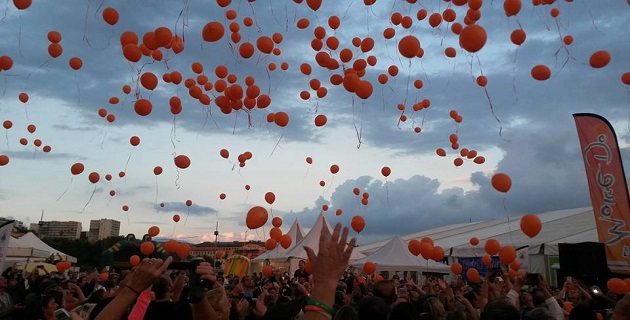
x=29 y=248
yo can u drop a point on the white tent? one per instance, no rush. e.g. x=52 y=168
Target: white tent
x=562 y=226
x=296 y=233
x=29 y=245
x=395 y=256
x=311 y=240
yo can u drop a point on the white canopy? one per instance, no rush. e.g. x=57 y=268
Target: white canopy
x=312 y=240
x=395 y=256
x=296 y=233
x=30 y=246
x=562 y=226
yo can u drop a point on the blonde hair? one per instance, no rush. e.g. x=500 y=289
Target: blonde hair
x=84 y=311
x=214 y=296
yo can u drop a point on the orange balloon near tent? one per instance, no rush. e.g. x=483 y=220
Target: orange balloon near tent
x=270 y=244
x=486 y=260
x=285 y=241
x=473 y=275
x=369 y=268
x=275 y=233
x=456 y=268
x=531 y=225
x=267 y=271
x=426 y=250
x=414 y=247
x=492 y=247
x=474 y=241
x=507 y=254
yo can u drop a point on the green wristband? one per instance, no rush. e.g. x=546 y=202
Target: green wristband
x=328 y=309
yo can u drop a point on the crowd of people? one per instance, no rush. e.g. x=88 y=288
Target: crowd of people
x=152 y=290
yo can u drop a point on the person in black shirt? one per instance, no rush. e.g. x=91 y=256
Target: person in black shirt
x=300 y=272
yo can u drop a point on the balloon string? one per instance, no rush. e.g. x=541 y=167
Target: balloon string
x=277 y=143
x=156 y=189
x=387 y=193
x=129 y=158
x=508 y=220
x=64 y=192
x=88 y=202
x=187 y=214
x=6 y=134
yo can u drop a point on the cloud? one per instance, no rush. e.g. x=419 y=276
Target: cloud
x=37 y=155
x=181 y=208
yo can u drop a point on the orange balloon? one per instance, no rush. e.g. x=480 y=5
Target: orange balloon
x=256 y=217
x=134 y=260
x=182 y=161
x=531 y=225
x=147 y=248
x=183 y=250
x=492 y=247
x=357 y=223
x=501 y=182
x=456 y=268
x=154 y=231
x=617 y=286
x=271 y=244
x=487 y=260
x=414 y=247
x=472 y=38
x=110 y=15
x=386 y=171
x=94 y=177
x=267 y=271
x=104 y=276
x=473 y=275
x=541 y=72
x=474 y=241
x=409 y=46
x=334 y=169
x=369 y=268
x=507 y=254
x=176 y=218
x=171 y=246
x=426 y=250
x=600 y=59
x=213 y=31
x=285 y=241
x=270 y=197
x=275 y=233
x=438 y=254
x=276 y=222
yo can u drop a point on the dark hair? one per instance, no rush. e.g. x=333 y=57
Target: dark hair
x=160 y=287
x=385 y=290
x=372 y=308
x=500 y=309
x=404 y=311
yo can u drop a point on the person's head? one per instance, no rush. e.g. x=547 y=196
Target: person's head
x=163 y=288
x=433 y=306
x=220 y=303
x=346 y=313
x=302 y=264
x=404 y=311
x=49 y=305
x=540 y=313
x=500 y=309
x=301 y=280
x=582 y=312
x=373 y=308
x=385 y=290
x=248 y=281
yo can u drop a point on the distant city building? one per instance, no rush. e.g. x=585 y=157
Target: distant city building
x=250 y=249
x=103 y=229
x=57 y=229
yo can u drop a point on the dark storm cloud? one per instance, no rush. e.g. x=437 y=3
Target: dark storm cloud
x=182 y=209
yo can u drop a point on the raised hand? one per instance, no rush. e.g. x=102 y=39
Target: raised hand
x=147 y=272
x=333 y=256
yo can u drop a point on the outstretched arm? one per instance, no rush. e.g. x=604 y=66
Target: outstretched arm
x=328 y=267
